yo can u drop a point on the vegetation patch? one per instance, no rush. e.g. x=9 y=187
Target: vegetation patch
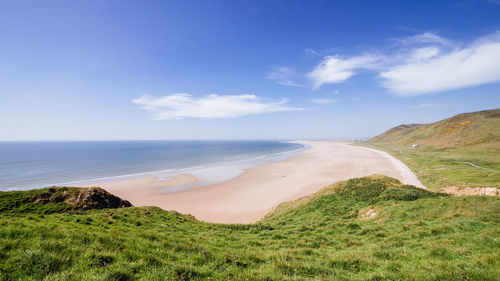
x=59 y=199
x=423 y=236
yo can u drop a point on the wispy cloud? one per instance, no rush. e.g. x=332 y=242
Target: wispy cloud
x=178 y=106
x=313 y=52
x=283 y=76
x=427 y=63
x=422 y=54
x=335 y=69
x=425 y=38
x=310 y=51
x=322 y=101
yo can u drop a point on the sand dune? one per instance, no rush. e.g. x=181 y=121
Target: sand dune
x=258 y=190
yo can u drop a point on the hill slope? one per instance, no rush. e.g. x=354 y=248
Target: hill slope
x=481 y=128
x=459 y=152
x=370 y=228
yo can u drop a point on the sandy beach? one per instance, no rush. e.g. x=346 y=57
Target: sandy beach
x=258 y=190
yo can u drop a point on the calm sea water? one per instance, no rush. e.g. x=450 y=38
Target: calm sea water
x=25 y=165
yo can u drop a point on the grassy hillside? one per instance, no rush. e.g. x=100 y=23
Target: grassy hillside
x=362 y=229
x=462 y=151
x=481 y=128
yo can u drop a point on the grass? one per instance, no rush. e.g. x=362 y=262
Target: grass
x=21 y=201
x=466 y=130
x=415 y=235
x=58 y=199
x=437 y=167
x=446 y=149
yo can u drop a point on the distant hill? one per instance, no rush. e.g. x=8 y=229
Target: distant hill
x=481 y=128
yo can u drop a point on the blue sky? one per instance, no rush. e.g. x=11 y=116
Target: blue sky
x=102 y=70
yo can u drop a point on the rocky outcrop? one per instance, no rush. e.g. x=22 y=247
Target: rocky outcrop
x=79 y=198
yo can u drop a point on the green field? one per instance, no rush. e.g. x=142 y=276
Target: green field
x=437 y=168
x=415 y=235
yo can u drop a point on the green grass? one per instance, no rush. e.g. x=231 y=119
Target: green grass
x=466 y=130
x=58 y=199
x=416 y=235
x=22 y=201
x=438 y=168
x=446 y=148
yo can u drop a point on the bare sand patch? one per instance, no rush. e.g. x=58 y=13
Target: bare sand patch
x=457 y=191
x=369 y=214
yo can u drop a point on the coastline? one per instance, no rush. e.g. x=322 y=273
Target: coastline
x=204 y=174
x=251 y=195
x=81 y=162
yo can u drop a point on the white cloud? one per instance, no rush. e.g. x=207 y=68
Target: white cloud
x=334 y=69
x=426 y=37
x=422 y=54
x=474 y=65
x=425 y=64
x=322 y=101
x=310 y=51
x=177 y=106
x=283 y=76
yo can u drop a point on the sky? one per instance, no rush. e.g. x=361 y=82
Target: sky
x=173 y=70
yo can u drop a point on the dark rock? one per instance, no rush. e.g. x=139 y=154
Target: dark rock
x=98 y=198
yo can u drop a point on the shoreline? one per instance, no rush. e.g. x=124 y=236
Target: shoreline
x=226 y=169
x=259 y=189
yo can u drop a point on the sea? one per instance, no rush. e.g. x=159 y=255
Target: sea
x=29 y=165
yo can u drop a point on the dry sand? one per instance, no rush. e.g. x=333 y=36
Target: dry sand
x=258 y=190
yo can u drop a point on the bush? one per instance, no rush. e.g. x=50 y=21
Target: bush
x=406 y=193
